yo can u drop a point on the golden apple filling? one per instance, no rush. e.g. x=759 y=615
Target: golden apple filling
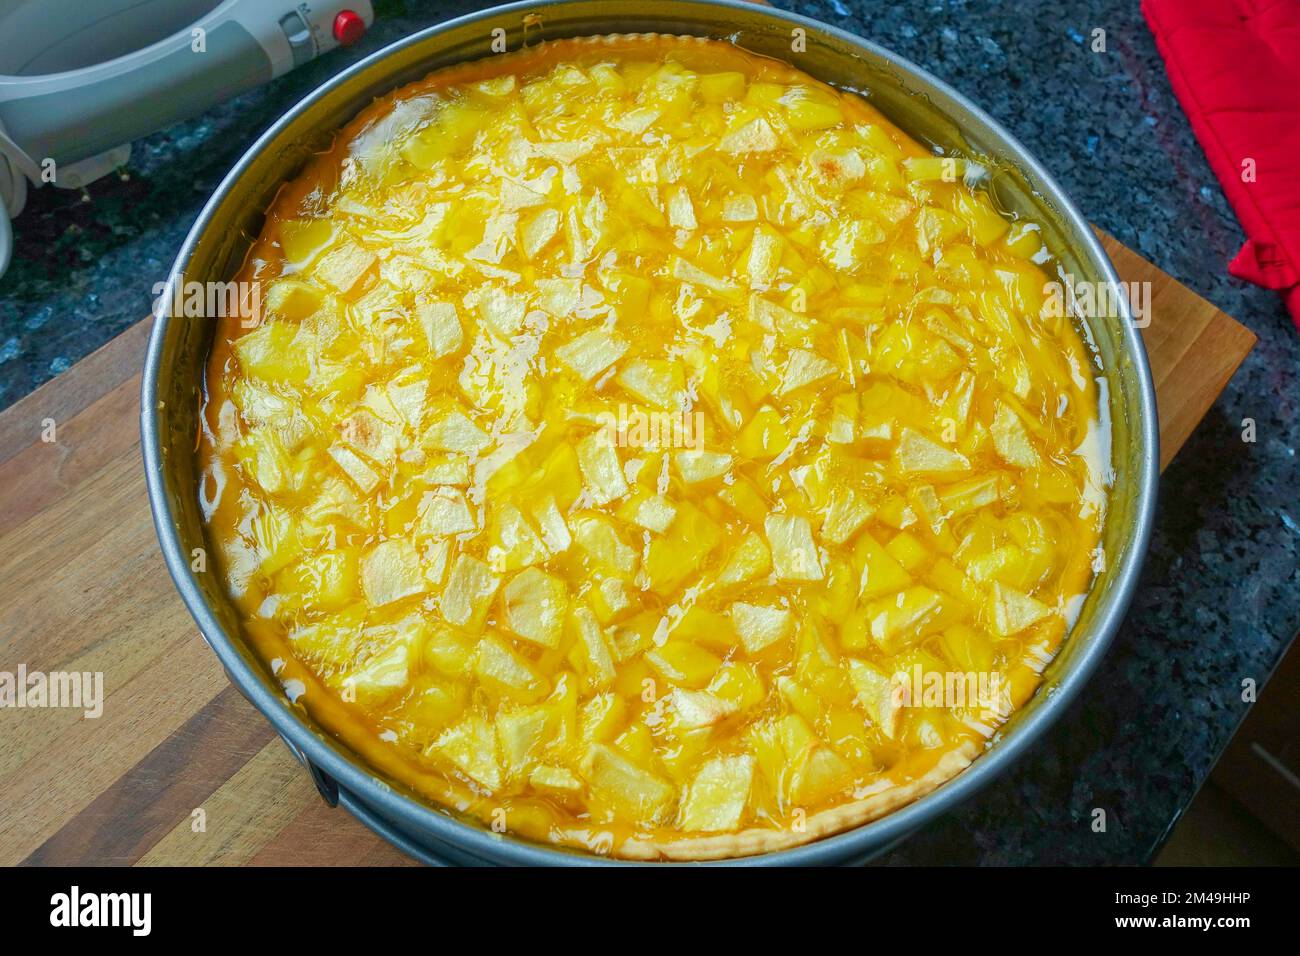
x=648 y=448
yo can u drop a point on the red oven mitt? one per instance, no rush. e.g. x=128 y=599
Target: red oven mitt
x=1235 y=67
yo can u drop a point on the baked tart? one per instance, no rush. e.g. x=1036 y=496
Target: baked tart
x=646 y=448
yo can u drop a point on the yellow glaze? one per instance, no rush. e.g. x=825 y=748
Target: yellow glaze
x=635 y=427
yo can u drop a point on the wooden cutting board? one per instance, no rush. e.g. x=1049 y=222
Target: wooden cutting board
x=84 y=589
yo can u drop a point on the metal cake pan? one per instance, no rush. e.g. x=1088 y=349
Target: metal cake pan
x=923 y=106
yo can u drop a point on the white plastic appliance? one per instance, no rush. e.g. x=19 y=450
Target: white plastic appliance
x=81 y=79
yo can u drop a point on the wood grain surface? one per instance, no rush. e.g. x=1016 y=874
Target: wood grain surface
x=83 y=587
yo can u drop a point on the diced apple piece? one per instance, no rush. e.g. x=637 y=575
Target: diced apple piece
x=515 y=196
x=567 y=151
x=497 y=239
x=265 y=460
x=846 y=244
x=967 y=496
x=717 y=797
x=560 y=297
x=449 y=651
x=601 y=469
x=1024 y=240
x=302 y=240
x=794 y=555
x=756 y=136
x=632 y=292
x=968 y=648
x=471 y=746
x=697 y=709
x=442 y=331
x=501 y=311
x=652 y=512
x=848 y=511
x=269 y=354
x=625 y=790
x=802 y=369
x=760 y=626
x=535 y=605
x=551 y=524
x=689 y=272
x=683 y=663
x=430 y=707
x=468 y=594
x=373 y=437
x=499 y=667
x=900 y=621
x=700 y=466
x=597 y=536
x=838 y=167
x=763 y=260
x=796 y=737
x=1011 y=440
x=591 y=353
x=707 y=628
x=601 y=717
x=328 y=579
x=739 y=208
x=539 y=230
x=520 y=734
x=406 y=395
x=556 y=781
x=454 y=129
x=609 y=599
x=820 y=775
x=777 y=318
x=447 y=470
x=985 y=223
x=258 y=405
x=738 y=684
x=637 y=121
x=450 y=429
x=655 y=381
x=746 y=499
x=843 y=426
x=878 y=694
x=337 y=502
x=433 y=560
x=1013 y=610
x=907 y=550
x=344 y=266
x=918 y=455
x=595 y=649
x=669 y=559
x=291 y=299
x=637 y=743
x=751 y=559
x=1003 y=564
x=797 y=694
x=722 y=87
x=946 y=169
x=390 y=571
x=381 y=675
x=810 y=109
x=764 y=436
x=514 y=542
x=444 y=512
x=681 y=212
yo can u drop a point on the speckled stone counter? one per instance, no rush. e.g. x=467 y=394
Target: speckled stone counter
x=1220 y=596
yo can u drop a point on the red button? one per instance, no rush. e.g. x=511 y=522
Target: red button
x=348 y=27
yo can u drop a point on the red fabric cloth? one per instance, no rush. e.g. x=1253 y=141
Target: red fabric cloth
x=1235 y=68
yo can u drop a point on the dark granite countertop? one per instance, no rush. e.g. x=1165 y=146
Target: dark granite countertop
x=1220 y=596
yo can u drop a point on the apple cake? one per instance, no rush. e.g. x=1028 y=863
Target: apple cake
x=646 y=448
